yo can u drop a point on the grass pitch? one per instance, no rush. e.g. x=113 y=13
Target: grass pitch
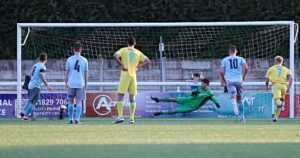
x=153 y=138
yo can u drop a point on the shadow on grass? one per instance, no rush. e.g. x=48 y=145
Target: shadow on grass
x=228 y=150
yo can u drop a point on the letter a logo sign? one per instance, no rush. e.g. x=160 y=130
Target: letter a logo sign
x=101 y=105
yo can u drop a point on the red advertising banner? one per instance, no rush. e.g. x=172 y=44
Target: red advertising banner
x=297 y=105
x=101 y=104
x=286 y=112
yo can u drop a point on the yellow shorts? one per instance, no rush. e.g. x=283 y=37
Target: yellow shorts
x=279 y=90
x=127 y=84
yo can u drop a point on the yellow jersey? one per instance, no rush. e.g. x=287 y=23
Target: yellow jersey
x=130 y=58
x=278 y=74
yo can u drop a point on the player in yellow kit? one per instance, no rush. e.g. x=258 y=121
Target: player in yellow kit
x=130 y=60
x=278 y=75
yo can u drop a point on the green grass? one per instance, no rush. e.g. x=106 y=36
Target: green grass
x=153 y=138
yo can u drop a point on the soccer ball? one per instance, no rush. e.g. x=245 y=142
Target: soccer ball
x=63 y=107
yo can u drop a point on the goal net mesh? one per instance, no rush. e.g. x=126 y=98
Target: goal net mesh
x=187 y=50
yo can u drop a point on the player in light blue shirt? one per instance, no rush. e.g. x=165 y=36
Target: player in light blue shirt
x=233 y=66
x=233 y=72
x=76 y=81
x=36 y=80
x=35 y=85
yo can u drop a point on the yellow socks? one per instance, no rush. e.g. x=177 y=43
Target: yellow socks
x=120 y=109
x=279 y=106
x=120 y=106
x=132 y=110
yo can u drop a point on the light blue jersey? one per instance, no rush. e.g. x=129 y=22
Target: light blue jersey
x=36 y=81
x=194 y=86
x=76 y=66
x=233 y=66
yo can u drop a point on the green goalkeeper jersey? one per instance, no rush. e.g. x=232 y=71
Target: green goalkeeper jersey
x=199 y=100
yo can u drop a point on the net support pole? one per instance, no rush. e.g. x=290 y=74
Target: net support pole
x=273 y=103
x=162 y=64
x=19 y=71
x=101 y=73
x=292 y=60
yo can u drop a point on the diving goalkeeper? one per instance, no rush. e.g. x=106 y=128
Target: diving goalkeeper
x=191 y=103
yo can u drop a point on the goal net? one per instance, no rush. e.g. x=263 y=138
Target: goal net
x=176 y=51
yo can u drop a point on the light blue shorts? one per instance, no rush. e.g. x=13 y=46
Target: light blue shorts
x=235 y=88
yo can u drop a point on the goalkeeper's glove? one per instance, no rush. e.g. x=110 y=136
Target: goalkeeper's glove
x=155 y=99
x=26 y=82
x=225 y=89
x=217 y=105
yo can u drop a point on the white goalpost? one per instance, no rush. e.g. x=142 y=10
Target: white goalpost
x=173 y=46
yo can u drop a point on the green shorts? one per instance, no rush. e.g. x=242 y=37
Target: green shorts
x=187 y=104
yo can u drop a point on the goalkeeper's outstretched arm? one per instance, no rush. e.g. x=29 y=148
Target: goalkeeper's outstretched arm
x=214 y=100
